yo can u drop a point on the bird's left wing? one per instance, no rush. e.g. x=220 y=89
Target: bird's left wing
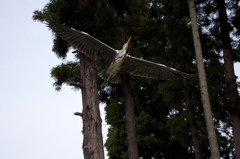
x=85 y=43
x=143 y=68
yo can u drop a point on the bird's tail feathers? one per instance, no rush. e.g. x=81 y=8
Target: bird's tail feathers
x=104 y=85
x=103 y=75
x=114 y=79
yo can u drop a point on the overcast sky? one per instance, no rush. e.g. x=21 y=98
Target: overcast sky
x=36 y=122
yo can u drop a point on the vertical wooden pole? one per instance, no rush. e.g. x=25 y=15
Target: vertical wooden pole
x=130 y=118
x=203 y=84
x=92 y=122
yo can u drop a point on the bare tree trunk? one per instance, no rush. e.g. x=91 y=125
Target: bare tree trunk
x=230 y=75
x=130 y=118
x=92 y=122
x=193 y=125
x=203 y=84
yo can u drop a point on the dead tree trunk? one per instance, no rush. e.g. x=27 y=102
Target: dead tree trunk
x=203 y=84
x=92 y=122
x=230 y=75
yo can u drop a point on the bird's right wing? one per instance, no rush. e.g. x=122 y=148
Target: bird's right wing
x=143 y=68
x=83 y=42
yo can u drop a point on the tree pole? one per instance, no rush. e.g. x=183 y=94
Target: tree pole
x=203 y=84
x=129 y=105
x=130 y=118
x=193 y=125
x=92 y=122
x=228 y=54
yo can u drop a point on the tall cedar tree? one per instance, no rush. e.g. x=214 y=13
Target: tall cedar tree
x=203 y=83
x=150 y=37
x=74 y=14
x=150 y=32
x=221 y=27
x=127 y=93
x=136 y=26
x=228 y=53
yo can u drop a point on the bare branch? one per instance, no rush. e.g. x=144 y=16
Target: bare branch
x=80 y=85
x=121 y=120
x=78 y=113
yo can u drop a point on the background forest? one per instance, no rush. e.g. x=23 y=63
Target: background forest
x=169 y=115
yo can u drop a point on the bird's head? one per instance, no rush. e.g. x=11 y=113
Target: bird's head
x=125 y=46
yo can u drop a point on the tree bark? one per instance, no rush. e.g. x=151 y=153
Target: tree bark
x=130 y=118
x=203 y=84
x=92 y=122
x=193 y=126
x=228 y=53
x=128 y=103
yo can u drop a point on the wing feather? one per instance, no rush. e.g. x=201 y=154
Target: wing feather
x=85 y=43
x=143 y=68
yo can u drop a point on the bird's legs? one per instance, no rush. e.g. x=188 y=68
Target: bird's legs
x=104 y=84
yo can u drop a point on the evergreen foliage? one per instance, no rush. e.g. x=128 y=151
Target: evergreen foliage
x=65 y=73
x=161 y=32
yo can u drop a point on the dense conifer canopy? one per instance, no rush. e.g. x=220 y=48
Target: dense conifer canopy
x=161 y=32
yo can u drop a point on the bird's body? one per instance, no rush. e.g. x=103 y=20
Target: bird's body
x=114 y=67
x=116 y=64
x=116 y=61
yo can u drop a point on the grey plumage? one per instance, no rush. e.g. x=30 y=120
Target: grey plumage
x=94 y=48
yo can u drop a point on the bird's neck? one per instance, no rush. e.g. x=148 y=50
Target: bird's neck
x=122 y=52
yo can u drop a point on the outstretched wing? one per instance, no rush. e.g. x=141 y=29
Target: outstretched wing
x=143 y=68
x=85 y=43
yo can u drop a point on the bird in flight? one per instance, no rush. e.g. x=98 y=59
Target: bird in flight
x=116 y=61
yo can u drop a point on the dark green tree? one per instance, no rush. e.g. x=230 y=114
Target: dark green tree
x=224 y=28
x=168 y=114
x=87 y=16
x=203 y=83
x=228 y=54
x=147 y=37
x=165 y=37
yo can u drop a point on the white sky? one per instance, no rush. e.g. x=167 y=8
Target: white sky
x=36 y=122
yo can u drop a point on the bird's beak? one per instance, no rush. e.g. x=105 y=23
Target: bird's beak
x=128 y=40
x=125 y=46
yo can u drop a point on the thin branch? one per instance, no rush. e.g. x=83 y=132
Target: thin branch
x=78 y=113
x=121 y=120
x=80 y=85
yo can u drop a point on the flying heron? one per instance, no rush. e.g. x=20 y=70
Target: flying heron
x=116 y=61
